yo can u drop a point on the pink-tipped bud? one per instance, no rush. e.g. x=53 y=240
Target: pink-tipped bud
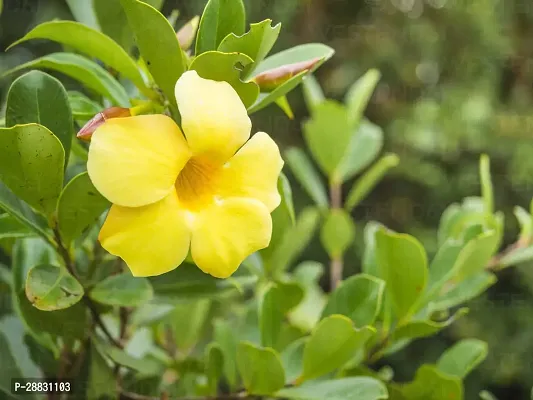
x=272 y=78
x=187 y=33
x=88 y=129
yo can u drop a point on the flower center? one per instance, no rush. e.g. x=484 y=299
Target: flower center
x=196 y=183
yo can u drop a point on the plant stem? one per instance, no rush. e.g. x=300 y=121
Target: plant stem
x=336 y=264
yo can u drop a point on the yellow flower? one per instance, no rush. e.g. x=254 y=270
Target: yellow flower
x=209 y=190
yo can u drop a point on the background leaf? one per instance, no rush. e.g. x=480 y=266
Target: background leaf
x=463 y=357
x=261 y=369
x=122 y=290
x=360 y=388
x=338 y=232
x=359 y=94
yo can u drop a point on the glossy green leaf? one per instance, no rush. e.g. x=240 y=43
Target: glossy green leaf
x=363 y=149
x=359 y=95
x=307 y=176
x=83 y=12
x=260 y=368
x=82 y=107
x=332 y=344
x=214 y=367
x=306 y=315
x=229 y=69
x=82 y=69
x=101 y=379
x=425 y=328
x=295 y=240
x=256 y=43
x=11 y=227
x=122 y=290
x=464 y=291
x=36 y=97
x=219 y=19
x=328 y=134
x=113 y=22
x=79 y=206
x=402 y=262
x=51 y=288
x=225 y=338
x=460 y=359
x=359 y=298
x=359 y=388
x=31 y=165
x=157 y=43
x=338 y=232
x=313 y=93
x=91 y=42
x=364 y=184
x=431 y=384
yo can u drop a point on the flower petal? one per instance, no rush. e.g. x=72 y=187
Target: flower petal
x=254 y=171
x=135 y=161
x=152 y=240
x=228 y=232
x=214 y=118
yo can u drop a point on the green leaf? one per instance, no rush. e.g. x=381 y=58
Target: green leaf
x=460 y=359
x=256 y=43
x=369 y=180
x=145 y=366
x=82 y=107
x=313 y=93
x=122 y=290
x=79 y=206
x=295 y=240
x=101 y=379
x=23 y=213
x=332 y=344
x=307 y=313
x=359 y=95
x=214 y=367
x=219 y=19
x=113 y=22
x=370 y=266
x=10 y=227
x=359 y=298
x=285 y=191
x=279 y=92
x=51 y=288
x=83 y=12
x=196 y=313
x=328 y=134
x=31 y=165
x=91 y=42
x=424 y=328
x=431 y=384
x=515 y=257
x=338 y=233
x=82 y=69
x=307 y=176
x=475 y=255
x=225 y=338
x=464 y=291
x=363 y=149
x=292 y=359
x=158 y=45
x=36 y=97
x=228 y=69
x=402 y=262
x=525 y=222
x=486 y=184
x=486 y=395
x=8 y=366
x=359 y=388
x=261 y=369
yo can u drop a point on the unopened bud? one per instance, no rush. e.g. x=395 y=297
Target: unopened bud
x=272 y=78
x=187 y=32
x=88 y=129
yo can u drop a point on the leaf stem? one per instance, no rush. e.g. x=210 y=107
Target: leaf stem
x=336 y=264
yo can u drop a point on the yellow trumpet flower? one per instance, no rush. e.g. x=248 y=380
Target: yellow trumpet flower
x=208 y=190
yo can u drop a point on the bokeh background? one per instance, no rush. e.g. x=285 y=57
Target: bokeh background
x=457 y=81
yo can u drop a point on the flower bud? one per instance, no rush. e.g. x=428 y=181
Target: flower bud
x=88 y=129
x=187 y=32
x=272 y=78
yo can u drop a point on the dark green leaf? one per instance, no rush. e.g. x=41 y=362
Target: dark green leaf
x=101 y=379
x=360 y=388
x=261 y=369
x=82 y=69
x=79 y=206
x=219 y=19
x=31 y=165
x=214 y=367
x=51 y=288
x=122 y=290
x=460 y=359
x=229 y=66
x=158 y=45
x=359 y=298
x=226 y=340
x=82 y=107
x=307 y=176
x=10 y=227
x=91 y=42
x=8 y=366
x=36 y=97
